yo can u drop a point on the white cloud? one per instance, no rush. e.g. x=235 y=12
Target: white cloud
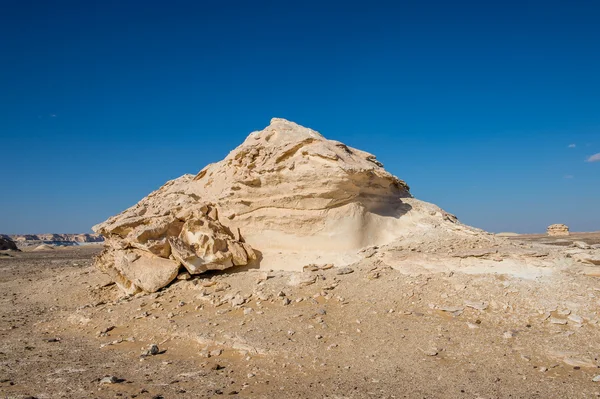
x=572 y=145
x=594 y=158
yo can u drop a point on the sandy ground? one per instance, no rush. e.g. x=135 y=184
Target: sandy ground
x=381 y=330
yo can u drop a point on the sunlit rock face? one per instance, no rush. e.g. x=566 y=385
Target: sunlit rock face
x=285 y=197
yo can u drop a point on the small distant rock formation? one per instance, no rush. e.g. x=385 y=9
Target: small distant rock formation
x=7 y=244
x=286 y=197
x=557 y=230
x=44 y=247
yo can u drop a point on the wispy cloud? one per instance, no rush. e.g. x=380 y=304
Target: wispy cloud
x=569 y=176
x=594 y=158
x=572 y=145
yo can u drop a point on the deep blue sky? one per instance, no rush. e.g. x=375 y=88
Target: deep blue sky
x=474 y=104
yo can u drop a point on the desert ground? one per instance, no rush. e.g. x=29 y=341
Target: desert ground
x=375 y=329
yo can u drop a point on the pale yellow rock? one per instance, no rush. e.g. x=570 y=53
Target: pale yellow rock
x=558 y=230
x=284 y=198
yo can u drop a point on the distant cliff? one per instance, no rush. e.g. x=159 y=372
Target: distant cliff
x=64 y=239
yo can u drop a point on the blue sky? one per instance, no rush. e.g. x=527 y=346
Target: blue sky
x=474 y=103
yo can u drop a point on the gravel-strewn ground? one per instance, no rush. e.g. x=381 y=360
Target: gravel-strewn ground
x=375 y=332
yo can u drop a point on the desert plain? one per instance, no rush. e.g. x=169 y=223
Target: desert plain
x=298 y=267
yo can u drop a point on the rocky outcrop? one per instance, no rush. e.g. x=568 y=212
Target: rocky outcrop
x=558 y=230
x=58 y=238
x=284 y=198
x=7 y=244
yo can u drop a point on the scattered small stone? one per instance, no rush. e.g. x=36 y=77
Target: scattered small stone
x=508 y=334
x=216 y=352
x=318 y=336
x=237 y=300
x=184 y=276
x=431 y=352
x=344 y=270
x=107 y=329
x=476 y=305
x=575 y=319
x=310 y=268
x=286 y=301
x=110 y=380
x=555 y=320
x=596 y=378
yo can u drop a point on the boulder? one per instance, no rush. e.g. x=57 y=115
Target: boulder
x=284 y=198
x=558 y=230
x=6 y=244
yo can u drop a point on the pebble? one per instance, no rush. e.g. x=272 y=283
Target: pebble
x=216 y=352
x=555 y=320
x=153 y=350
x=184 y=276
x=596 y=378
x=576 y=319
x=344 y=270
x=286 y=301
x=107 y=329
x=479 y=305
x=238 y=300
x=111 y=379
x=508 y=334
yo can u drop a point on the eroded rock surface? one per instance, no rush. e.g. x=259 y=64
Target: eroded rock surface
x=284 y=198
x=558 y=230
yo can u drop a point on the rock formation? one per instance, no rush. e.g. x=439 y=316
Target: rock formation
x=6 y=244
x=558 y=230
x=285 y=198
x=57 y=238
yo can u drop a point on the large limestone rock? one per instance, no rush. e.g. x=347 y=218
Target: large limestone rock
x=558 y=230
x=284 y=198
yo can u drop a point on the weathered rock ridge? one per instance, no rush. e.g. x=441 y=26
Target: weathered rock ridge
x=57 y=238
x=284 y=198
